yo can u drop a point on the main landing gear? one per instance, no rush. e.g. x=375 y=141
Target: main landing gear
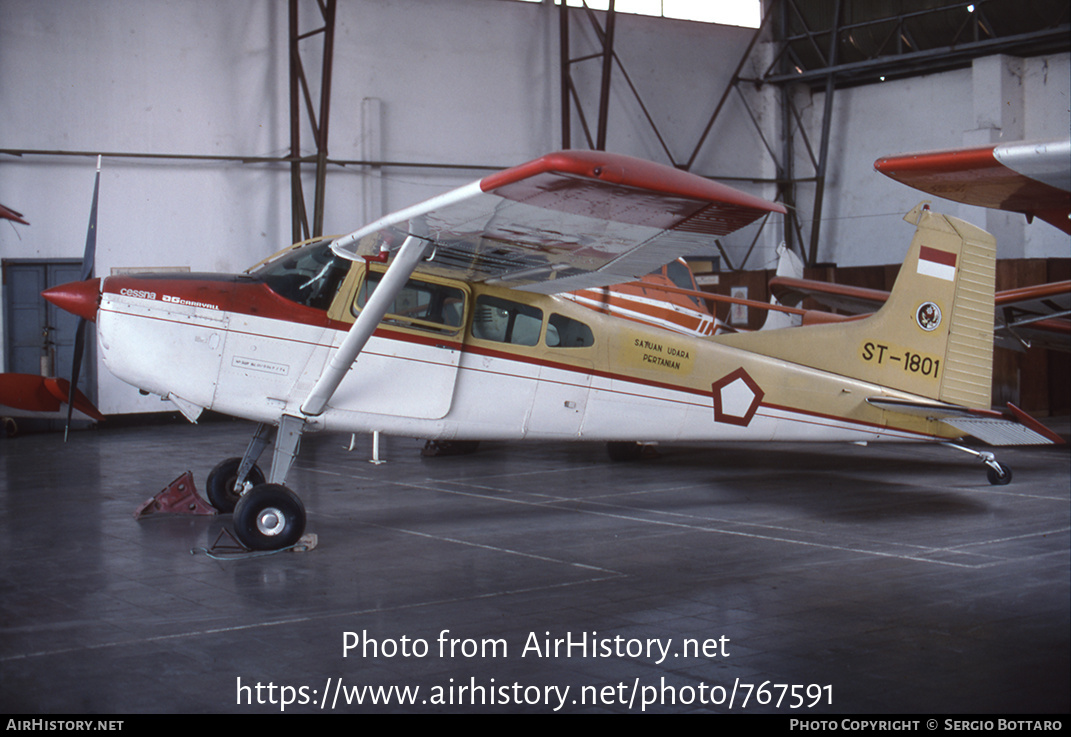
x=267 y=515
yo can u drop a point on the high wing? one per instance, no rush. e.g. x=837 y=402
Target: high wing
x=1038 y=315
x=569 y=220
x=1028 y=177
x=1035 y=316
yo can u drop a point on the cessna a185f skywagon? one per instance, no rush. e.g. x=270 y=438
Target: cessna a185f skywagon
x=446 y=321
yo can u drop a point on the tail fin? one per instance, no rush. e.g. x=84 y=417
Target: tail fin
x=932 y=338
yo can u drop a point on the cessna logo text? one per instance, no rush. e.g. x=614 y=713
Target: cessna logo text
x=140 y=294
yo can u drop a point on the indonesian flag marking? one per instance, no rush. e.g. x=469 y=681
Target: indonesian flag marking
x=937 y=263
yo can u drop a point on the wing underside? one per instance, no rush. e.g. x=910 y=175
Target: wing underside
x=570 y=220
x=1029 y=177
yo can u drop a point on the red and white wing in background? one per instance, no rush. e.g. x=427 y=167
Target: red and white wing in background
x=1033 y=178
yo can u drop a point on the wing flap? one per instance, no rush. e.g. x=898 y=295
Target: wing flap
x=569 y=220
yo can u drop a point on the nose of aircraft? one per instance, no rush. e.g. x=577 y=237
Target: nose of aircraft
x=78 y=297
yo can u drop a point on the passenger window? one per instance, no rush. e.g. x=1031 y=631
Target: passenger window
x=419 y=304
x=506 y=322
x=565 y=332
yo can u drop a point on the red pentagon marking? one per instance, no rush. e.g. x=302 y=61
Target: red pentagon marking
x=736 y=398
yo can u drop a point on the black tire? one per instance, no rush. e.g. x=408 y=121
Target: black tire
x=220 y=485
x=998 y=478
x=269 y=517
x=620 y=451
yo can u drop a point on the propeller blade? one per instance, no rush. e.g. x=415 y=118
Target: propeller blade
x=88 y=259
x=76 y=368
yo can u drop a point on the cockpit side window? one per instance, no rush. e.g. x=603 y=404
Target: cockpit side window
x=309 y=276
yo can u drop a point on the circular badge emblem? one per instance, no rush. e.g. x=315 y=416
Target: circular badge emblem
x=928 y=316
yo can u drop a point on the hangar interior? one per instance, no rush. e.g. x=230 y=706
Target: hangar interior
x=896 y=577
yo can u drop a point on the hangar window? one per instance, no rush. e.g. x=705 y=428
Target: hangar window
x=565 y=332
x=419 y=304
x=504 y=321
x=746 y=13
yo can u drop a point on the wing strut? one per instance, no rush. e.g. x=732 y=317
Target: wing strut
x=398 y=273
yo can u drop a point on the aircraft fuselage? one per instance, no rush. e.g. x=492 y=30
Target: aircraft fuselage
x=455 y=360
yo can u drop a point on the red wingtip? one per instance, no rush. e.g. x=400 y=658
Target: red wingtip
x=79 y=298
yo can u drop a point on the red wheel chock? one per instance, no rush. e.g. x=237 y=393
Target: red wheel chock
x=179 y=497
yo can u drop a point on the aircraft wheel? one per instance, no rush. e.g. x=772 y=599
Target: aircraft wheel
x=220 y=485
x=998 y=478
x=624 y=451
x=269 y=517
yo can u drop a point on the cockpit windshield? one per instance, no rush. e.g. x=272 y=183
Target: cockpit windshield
x=310 y=275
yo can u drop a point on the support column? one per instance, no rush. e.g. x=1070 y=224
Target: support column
x=997 y=92
x=372 y=150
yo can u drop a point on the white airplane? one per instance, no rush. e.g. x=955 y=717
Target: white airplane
x=446 y=321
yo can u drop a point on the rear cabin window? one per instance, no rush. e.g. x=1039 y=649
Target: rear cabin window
x=565 y=332
x=419 y=304
x=504 y=321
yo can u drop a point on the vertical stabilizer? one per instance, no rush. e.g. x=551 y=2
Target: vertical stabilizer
x=932 y=338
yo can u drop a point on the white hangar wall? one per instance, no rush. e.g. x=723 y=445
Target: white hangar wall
x=466 y=82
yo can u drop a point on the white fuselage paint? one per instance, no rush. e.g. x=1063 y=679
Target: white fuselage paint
x=260 y=368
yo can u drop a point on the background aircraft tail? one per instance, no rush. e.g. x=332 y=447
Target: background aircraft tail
x=932 y=338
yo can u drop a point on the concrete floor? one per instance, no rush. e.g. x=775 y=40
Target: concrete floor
x=887 y=579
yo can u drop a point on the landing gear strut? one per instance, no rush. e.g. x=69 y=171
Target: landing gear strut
x=267 y=516
x=223 y=488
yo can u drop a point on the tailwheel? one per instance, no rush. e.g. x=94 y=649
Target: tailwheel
x=222 y=485
x=269 y=517
x=998 y=474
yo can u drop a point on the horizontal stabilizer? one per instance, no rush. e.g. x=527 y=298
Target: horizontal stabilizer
x=998 y=431
x=995 y=428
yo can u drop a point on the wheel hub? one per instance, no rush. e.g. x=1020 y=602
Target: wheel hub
x=270 y=522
